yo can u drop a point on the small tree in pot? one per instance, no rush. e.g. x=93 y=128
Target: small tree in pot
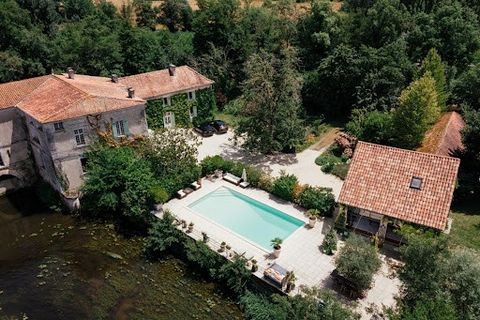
x=277 y=246
x=313 y=214
x=289 y=281
x=254 y=265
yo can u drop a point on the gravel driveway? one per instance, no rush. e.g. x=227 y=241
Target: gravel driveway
x=301 y=164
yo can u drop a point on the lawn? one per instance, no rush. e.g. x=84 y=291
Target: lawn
x=466 y=225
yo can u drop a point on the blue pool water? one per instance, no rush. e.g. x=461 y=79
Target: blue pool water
x=245 y=216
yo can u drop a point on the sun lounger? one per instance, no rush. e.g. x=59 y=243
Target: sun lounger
x=232 y=179
x=188 y=190
x=181 y=194
x=244 y=184
x=275 y=274
x=195 y=185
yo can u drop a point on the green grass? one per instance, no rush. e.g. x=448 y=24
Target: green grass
x=228 y=118
x=466 y=226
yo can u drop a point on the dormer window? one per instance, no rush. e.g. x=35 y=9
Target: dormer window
x=416 y=183
x=58 y=126
x=166 y=101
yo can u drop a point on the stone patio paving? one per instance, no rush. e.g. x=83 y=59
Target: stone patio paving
x=300 y=251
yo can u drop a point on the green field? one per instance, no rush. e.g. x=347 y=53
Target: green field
x=466 y=226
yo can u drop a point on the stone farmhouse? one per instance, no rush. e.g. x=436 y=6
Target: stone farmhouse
x=47 y=122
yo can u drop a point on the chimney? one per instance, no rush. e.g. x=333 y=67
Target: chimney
x=114 y=78
x=172 y=70
x=131 y=93
x=71 y=73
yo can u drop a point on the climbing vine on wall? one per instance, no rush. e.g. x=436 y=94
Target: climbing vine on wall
x=180 y=106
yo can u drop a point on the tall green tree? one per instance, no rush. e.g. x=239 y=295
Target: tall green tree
x=272 y=103
x=418 y=109
x=117 y=185
x=146 y=14
x=434 y=65
x=177 y=15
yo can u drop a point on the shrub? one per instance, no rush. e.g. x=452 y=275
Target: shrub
x=159 y=194
x=340 y=170
x=210 y=164
x=329 y=244
x=201 y=255
x=233 y=274
x=265 y=183
x=162 y=236
x=327 y=161
x=284 y=186
x=318 y=198
x=341 y=220
x=358 y=262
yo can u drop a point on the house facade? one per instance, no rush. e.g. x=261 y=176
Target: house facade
x=48 y=122
x=386 y=187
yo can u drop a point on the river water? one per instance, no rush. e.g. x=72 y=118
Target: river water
x=55 y=266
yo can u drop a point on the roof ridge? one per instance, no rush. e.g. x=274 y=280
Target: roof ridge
x=57 y=76
x=410 y=151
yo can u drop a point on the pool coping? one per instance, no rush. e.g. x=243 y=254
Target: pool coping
x=186 y=206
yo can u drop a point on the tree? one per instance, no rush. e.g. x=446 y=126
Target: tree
x=117 y=185
x=271 y=93
x=371 y=126
x=463 y=285
x=426 y=308
x=177 y=15
x=418 y=109
x=434 y=65
x=358 y=261
x=162 y=236
x=146 y=14
x=421 y=273
x=172 y=155
x=465 y=86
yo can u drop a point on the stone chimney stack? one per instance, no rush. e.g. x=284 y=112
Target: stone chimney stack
x=172 y=70
x=71 y=73
x=114 y=78
x=131 y=93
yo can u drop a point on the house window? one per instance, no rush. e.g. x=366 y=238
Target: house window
x=79 y=137
x=167 y=101
x=120 y=128
x=193 y=111
x=2 y=164
x=416 y=183
x=58 y=126
x=168 y=119
x=191 y=95
x=83 y=162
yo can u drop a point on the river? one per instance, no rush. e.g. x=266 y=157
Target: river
x=55 y=266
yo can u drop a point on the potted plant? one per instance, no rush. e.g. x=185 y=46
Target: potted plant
x=312 y=217
x=248 y=264
x=190 y=227
x=184 y=224
x=277 y=246
x=254 y=265
x=205 y=237
x=228 y=250
x=222 y=246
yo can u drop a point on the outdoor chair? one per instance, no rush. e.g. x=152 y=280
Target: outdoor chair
x=275 y=274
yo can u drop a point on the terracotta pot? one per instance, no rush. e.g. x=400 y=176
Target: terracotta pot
x=276 y=251
x=312 y=221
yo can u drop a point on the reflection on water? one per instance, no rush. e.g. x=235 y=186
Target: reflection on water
x=54 y=266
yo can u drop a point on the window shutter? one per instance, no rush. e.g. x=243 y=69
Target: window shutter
x=114 y=130
x=125 y=126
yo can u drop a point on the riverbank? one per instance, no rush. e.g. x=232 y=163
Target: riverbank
x=56 y=266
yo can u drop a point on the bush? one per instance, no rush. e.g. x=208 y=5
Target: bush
x=341 y=220
x=327 y=161
x=233 y=274
x=202 y=256
x=340 y=170
x=162 y=236
x=318 y=198
x=284 y=186
x=329 y=245
x=210 y=164
x=358 y=262
x=159 y=194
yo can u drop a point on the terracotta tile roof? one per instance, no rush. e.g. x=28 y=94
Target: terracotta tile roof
x=159 y=83
x=445 y=136
x=60 y=98
x=13 y=92
x=379 y=181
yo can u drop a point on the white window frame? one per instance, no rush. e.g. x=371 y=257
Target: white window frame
x=191 y=95
x=120 y=128
x=193 y=111
x=80 y=137
x=167 y=101
x=58 y=126
x=168 y=119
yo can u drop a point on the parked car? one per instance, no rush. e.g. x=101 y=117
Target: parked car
x=219 y=126
x=205 y=129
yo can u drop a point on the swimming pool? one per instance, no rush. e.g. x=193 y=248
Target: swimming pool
x=251 y=219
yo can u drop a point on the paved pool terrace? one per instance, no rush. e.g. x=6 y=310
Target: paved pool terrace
x=300 y=250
